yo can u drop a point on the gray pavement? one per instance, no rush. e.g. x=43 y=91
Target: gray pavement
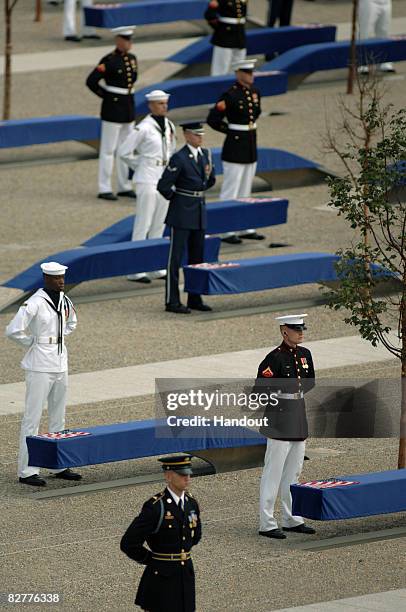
x=389 y=601
x=71 y=545
x=134 y=381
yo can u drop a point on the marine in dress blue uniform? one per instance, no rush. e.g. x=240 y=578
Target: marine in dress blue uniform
x=227 y=18
x=170 y=524
x=188 y=175
x=288 y=372
x=113 y=80
x=235 y=114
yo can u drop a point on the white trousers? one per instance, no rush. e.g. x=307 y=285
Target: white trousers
x=149 y=222
x=69 y=18
x=41 y=387
x=112 y=135
x=374 y=18
x=282 y=467
x=223 y=58
x=237 y=183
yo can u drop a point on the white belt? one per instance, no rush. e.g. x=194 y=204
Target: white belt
x=242 y=128
x=46 y=340
x=291 y=396
x=232 y=20
x=118 y=90
x=160 y=162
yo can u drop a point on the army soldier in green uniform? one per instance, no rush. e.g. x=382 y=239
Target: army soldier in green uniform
x=170 y=524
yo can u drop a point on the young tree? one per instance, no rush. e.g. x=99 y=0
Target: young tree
x=371 y=144
x=8 y=10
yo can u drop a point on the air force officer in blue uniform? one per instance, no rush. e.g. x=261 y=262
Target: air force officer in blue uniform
x=188 y=175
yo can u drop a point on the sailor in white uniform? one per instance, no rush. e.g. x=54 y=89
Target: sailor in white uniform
x=147 y=151
x=69 y=21
x=41 y=324
x=374 y=22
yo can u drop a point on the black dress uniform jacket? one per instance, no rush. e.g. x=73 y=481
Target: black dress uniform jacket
x=184 y=173
x=117 y=70
x=227 y=34
x=240 y=105
x=286 y=370
x=166 y=586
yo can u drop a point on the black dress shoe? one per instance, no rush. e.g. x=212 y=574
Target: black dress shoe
x=34 y=481
x=232 y=240
x=107 y=195
x=253 y=236
x=73 y=38
x=300 y=529
x=177 y=308
x=203 y=307
x=92 y=37
x=278 y=245
x=127 y=194
x=68 y=475
x=273 y=533
x=143 y=279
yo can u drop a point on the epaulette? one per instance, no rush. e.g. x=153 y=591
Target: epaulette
x=191 y=497
x=157 y=497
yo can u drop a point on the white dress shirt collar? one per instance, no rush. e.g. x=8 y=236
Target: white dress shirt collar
x=176 y=498
x=195 y=151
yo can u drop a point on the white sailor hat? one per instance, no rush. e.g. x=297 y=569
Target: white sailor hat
x=52 y=268
x=293 y=321
x=124 y=31
x=157 y=96
x=245 y=64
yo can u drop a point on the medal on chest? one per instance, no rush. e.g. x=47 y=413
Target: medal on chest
x=305 y=365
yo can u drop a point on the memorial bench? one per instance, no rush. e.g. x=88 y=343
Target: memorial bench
x=107 y=261
x=45 y=130
x=260 y=41
x=198 y=91
x=145 y=12
x=227 y=216
x=350 y=496
x=302 y=61
x=223 y=447
x=260 y=273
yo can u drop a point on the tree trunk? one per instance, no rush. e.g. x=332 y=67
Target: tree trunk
x=38 y=10
x=7 y=61
x=353 y=49
x=402 y=438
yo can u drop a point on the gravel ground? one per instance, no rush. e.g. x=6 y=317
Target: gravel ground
x=70 y=545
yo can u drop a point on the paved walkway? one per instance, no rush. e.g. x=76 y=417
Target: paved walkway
x=133 y=381
x=153 y=50
x=389 y=601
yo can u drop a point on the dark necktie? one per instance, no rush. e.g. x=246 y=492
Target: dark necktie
x=180 y=505
x=200 y=163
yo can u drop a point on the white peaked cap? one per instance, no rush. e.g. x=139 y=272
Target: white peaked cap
x=52 y=268
x=245 y=64
x=291 y=319
x=123 y=30
x=157 y=96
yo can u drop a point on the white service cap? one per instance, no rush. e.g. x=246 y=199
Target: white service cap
x=293 y=321
x=52 y=268
x=245 y=64
x=126 y=31
x=157 y=96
